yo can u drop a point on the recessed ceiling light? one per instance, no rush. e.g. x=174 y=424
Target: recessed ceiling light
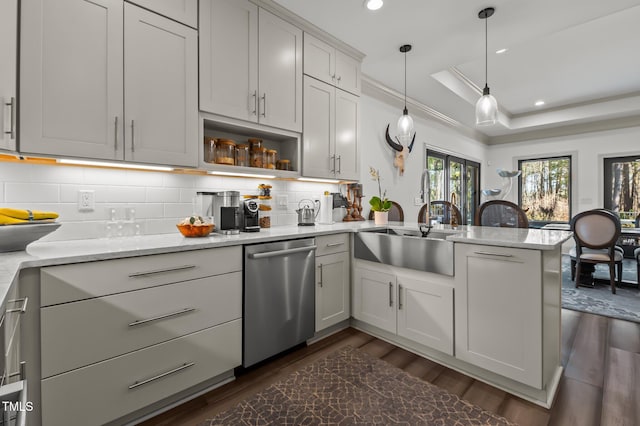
x=539 y=103
x=373 y=4
x=501 y=51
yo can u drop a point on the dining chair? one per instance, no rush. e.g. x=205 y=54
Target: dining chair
x=501 y=213
x=595 y=233
x=441 y=208
x=396 y=214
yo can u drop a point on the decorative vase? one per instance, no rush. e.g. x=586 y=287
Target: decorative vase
x=381 y=218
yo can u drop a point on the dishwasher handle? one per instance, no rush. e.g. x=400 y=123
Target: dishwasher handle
x=285 y=252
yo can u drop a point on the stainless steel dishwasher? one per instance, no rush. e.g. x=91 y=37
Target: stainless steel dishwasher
x=279 y=297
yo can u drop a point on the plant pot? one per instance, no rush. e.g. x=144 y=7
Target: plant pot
x=381 y=218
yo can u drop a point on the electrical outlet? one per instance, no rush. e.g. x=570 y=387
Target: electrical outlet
x=86 y=200
x=282 y=201
x=417 y=201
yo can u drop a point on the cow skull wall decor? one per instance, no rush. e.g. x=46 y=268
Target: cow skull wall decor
x=401 y=150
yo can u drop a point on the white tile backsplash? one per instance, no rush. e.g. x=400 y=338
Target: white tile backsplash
x=160 y=199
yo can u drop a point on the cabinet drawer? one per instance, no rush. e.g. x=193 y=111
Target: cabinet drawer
x=66 y=283
x=329 y=244
x=103 y=392
x=81 y=333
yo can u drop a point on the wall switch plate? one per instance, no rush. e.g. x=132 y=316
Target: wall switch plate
x=282 y=201
x=86 y=200
x=417 y=201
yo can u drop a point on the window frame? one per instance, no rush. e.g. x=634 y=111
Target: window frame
x=541 y=223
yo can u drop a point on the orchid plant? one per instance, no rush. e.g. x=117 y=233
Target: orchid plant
x=379 y=203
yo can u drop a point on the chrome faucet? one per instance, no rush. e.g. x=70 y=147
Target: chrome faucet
x=425 y=189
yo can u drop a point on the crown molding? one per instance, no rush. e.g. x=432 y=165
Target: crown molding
x=308 y=27
x=384 y=93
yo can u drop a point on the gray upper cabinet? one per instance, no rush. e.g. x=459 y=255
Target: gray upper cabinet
x=326 y=63
x=74 y=91
x=244 y=79
x=184 y=11
x=8 y=69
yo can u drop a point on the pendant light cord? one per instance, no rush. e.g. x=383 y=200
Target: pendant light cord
x=486 y=49
x=405 y=80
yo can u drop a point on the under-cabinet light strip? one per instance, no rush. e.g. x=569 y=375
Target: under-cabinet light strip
x=242 y=175
x=118 y=165
x=319 y=180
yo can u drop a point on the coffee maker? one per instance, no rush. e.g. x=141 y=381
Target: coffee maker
x=224 y=206
x=249 y=216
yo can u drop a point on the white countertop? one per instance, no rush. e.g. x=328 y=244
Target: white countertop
x=77 y=251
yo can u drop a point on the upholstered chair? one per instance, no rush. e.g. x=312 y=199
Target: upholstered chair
x=595 y=233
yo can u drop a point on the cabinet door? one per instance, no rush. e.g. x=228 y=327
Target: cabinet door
x=318 y=137
x=8 y=68
x=319 y=59
x=280 y=73
x=161 y=89
x=425 y=313
x=499 y=310
x=228 y=58
x=185 y=11
x=374 y=299
x=71 y=78
x=332 y=289
x=346 y=135
x=347 y=75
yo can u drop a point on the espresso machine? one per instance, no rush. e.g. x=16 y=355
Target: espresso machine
x=224 y=207
x=249 y=216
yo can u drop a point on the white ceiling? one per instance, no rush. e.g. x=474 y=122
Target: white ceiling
x=582 y=57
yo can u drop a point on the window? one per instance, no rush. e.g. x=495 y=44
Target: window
x=622 y=187
x=545 y=189
x=456 y=180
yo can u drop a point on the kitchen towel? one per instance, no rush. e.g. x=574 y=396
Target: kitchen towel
x=10 y=216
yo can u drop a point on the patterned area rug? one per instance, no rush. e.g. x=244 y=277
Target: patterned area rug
x=350 y=387
x=625 y=304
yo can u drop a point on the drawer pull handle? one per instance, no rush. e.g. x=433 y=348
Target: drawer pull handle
x=488 y=253
x=161 y=317
x=335 y=244
x=21 y=309
x=160 y=376
x=161 y=271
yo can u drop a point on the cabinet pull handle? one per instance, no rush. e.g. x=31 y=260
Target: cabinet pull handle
x=339 y=164
x=160 y=376
x=399 y=296
x=335 y=244
x=264 y=104
x=161 y=271
x=12 y=129
x=390 y=294
x=161 y=317
x=333 y=160
x=21 y=309
x=339 y=78
x=133 y=136
x=333 y=77
x=255 y=102
x=115 y=134
x=320 y=266
x=488 y=253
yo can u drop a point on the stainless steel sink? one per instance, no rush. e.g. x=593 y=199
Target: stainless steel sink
x=406 y=248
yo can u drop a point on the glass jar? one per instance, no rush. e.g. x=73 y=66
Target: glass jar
x=242 y=155
x=209 y=149
x=270 y=159
x=257 y=157
x=225 y=152
x=254 y=143
x=283 y=164
x=264 y=212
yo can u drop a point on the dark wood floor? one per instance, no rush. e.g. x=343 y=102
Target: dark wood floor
x=600 y=386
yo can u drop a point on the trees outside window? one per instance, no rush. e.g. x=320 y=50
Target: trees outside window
x=545 y=189
x=622 y=187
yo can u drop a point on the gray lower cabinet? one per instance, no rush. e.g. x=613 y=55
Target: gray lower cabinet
x=333 y=281
x=119 y=338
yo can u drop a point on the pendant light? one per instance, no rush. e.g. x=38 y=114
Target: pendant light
x=405 y=122
x=487 y=106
